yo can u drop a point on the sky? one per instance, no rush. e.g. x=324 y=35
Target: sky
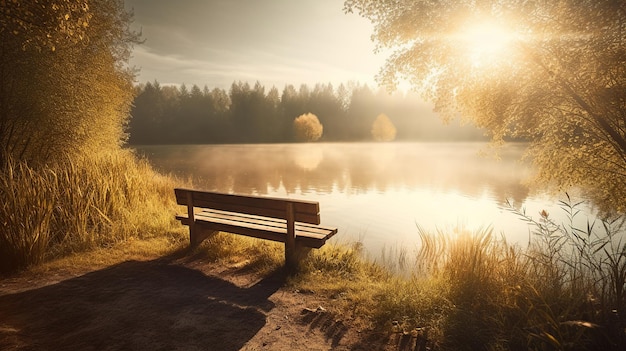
x=275 y=42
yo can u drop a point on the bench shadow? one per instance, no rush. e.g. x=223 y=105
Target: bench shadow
x=135 y=305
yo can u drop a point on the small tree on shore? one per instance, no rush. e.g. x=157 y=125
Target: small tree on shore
x=383 y=129
x=307 y=127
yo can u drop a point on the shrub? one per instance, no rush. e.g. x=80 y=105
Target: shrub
x=307 y=127
x=383 y=129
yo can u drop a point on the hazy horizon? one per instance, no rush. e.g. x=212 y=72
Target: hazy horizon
x=277 y=42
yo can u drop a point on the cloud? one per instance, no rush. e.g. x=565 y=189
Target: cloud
x=267 y=68
x=277 y=43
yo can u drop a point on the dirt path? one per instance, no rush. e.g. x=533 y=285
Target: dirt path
x=169 y=304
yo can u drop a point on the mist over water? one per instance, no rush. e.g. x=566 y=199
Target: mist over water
x=376 y=193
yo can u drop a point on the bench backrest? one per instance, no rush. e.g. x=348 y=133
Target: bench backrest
x=304 y=211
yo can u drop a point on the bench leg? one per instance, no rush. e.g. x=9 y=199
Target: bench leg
x=302 y=252
x=197 y=236
x=293 y=256
x=291 y=260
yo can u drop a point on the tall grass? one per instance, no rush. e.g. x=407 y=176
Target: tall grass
x=475 y=291
x=78 y=204
x=25 y=215
x=580 y=274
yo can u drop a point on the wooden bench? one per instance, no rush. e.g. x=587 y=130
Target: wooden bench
x=293 y=222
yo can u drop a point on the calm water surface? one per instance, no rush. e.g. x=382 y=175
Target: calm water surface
x=374 y=193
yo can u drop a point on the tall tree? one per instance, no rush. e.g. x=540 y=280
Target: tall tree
x=148 y=115
x=291 y=106
x=64 y=84
x=241 y=112
x=271 y=127
x=552 y=72
x=361 y=113
x=260 y=114
x=326 y=105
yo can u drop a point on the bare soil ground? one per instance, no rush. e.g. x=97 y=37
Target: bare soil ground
x=171 y=303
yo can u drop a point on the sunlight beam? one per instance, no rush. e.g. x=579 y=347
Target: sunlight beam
x=485 y=42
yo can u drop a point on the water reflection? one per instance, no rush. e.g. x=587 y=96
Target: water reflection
x=347 y=168
x=372 y=192
x=308 y=156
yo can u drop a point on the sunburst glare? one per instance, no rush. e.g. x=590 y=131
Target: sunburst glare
x=486 y=43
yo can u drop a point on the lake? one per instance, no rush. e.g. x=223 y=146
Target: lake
x=375 y=193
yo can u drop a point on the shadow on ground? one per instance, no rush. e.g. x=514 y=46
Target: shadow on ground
x=134 y=305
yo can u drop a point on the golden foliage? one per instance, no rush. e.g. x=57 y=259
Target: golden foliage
x=560 y=84
x=383 y=129
x=65 y=87
x=45 y=25
x=307 y=127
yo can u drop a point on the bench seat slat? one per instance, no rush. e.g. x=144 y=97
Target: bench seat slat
x=254 y=226
x=303 y=227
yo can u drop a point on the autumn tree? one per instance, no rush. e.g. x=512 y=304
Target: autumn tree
x=307 y=127
x=551 y=72
x=65 y=87
x=383 y=129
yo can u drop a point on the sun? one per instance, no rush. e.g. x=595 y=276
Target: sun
x=485 y=43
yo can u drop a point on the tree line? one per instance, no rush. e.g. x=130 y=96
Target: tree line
x=169 y=114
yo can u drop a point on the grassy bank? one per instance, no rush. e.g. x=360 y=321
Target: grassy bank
x=461 y=291
x=474 y=291
x=470 y=290
x=78 y=205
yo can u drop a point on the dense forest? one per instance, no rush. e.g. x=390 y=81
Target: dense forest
x=168 y=114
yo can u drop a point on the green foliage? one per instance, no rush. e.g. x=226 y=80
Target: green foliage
x=78 y=205
x=558 y=80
